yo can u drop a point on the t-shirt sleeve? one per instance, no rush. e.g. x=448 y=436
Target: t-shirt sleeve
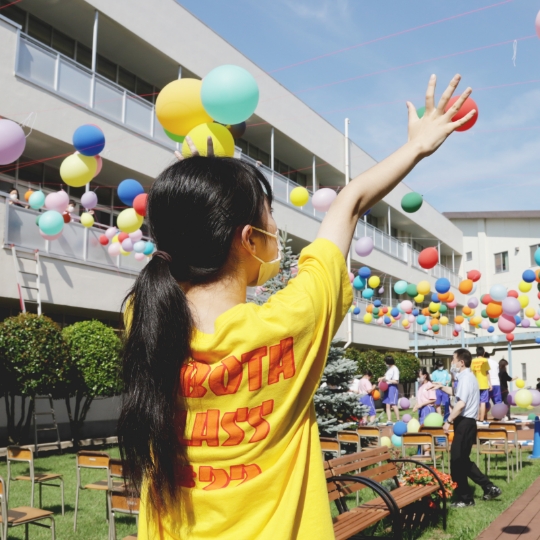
x=463 y=392
x=485 y=368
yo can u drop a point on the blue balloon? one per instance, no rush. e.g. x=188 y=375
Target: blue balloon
x=537 y=339
x=421 y=319
x=518 y=319
x=442 y=285
x=400 y=428
x=367 y=293
x=364 y=272
x=415 y=312
x=435 y=298
x=358 y=283
x=394 y=312
x=229 y=94
x=400 y=287
x=529 y=276
x=51 y=222
x=89 y=140
x=396 y=441
x=425 y=327
x=128 y=190
x=387 y=319
x=537 y=256
x=491 y=329
x=356 y=310
x=377 y=303
x=138 y=247
x=149 y=248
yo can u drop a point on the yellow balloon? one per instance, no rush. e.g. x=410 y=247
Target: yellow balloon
x=523 y=299
x=524 y=286
x=444 y=321
x=529 y=312
x=419 y=298
x=299 y=196
x=436 y=315
x=77 y=170
x=373 y=281
x=115 y=239
x=423 y=287
x=368 y=317
x=413 y=426
x=87 y=220
x=475 y=321
x=520 y=383
x=124 y=252
x=221 y=137
x=405 y=323
x=179 y=106
x=385 y=441
x=129 y=221
x=523 y=398
x=434 y=306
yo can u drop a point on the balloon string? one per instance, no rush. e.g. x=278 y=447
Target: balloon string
x=515 y=52
x=32 y=117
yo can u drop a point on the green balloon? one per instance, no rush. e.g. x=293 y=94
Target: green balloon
x=175 y=138
x=420 y=112
x=532 y=416
x=538 y=286
x=37 y=219
x=412 y=291
x=375 y=311
x=443 y=309
x=484 y=314
x=433 y=420
x=435 y=327
x=494 y=320
x=412 y=202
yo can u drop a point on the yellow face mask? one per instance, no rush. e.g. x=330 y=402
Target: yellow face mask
x=268 y=269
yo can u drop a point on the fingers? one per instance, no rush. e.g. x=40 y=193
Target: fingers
x=464 y=120
x=413 y=115
x=447 y=94
x=210 y=147
x=459 y=102
x=178 y=155
x=192 y=147
x=430 y=94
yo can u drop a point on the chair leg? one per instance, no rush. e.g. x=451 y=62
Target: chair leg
x=26 y=531
x=62 y=493
x=32 y=495
x=53 y=529
x=40 y=495
x=7 y=485
x=77 y=498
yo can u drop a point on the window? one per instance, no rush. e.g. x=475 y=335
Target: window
x=15 y=13
x=393 y=232
x=524 y=371
x=372 y=220
x=40 y=30
x=63 y=44
x=418 y=247
x=127 y=79
x=84 y=55
x=533 y=251
x=468 y=256
x=106 y=68
x=145 y=90
x=501 y=262
x=30 y=171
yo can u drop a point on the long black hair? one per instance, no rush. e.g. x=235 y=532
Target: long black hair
x=425 y=372
x=195 y=208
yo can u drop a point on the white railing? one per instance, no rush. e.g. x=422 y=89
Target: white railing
x=53 y=71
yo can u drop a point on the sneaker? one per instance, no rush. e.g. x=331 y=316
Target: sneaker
x=462 y=504
x=491 y=493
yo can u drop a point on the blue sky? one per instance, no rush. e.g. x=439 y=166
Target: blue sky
x=494 y=166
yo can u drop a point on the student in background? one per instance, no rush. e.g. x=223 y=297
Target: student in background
x=364 y=388
x=504 y=379
x=480 y=368
x=391 y=377
x=442 y=377
x=495 y=392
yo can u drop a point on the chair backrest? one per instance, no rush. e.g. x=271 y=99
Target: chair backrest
x=329 y=445
x=492 y=435
x=18 y=453
x=417 y=438
x=510 y=428
x=122 y=502
x=347 y=436
x=3 y=504
x=435 y=431
x=93 y=460
x=369 y=431
x=116 y=468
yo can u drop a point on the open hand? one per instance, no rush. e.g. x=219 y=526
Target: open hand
x=430 y=131
x=193 y=148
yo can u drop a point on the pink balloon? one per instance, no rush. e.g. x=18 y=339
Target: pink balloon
x=114 y=249
x=110 y=232
x=457 y=327
x=351 y=277
x=411 y=318
x=136 y=236
x=537 y=24
x=484 y=325
x=525 y=323
x=511 y=306
x=364 y=246
x=323 y=198
x=536 y=316
x=380 y=321
x=12 y=141
x=506 y=323
x=57 y=201
x=99 y=165
x=406 y=306
x=535 y=398
x=50 y=236
x=452 y=304
x=140 y=256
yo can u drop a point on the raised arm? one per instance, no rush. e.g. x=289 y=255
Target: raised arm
x=426 y=134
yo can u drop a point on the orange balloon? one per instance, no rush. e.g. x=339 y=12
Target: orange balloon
x=376 y=395
x=425 y=312
x=27 y=194
x=450 y=297
x=369 y=308
x=443 y=297
x=538 y=276
x=494 y=310
x=458 y=319
x=466 y=310
x=450 y=436
x=466 y=286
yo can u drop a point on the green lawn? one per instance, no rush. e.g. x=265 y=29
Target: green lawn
x=91 y=524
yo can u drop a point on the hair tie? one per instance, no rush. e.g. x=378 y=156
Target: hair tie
x=162 y=255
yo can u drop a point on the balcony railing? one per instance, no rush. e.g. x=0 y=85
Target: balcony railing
x=60 y=74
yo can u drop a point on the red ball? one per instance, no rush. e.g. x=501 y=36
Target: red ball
x=103 y=240
x=466 y=108
x=122 y=236
x=455 y=334
x=385 y=309
x=513 y=293
x=509 y=337
x=139 y=204
x=486 y=299
x=474 y=275
x=428 y=258
x=383 y=386
x=67 y=217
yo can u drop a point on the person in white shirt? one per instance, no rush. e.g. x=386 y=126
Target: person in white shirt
x=495 y=393
x=364 y=389
x=391 y=377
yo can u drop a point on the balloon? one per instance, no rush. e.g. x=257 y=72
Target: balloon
x=457 y=327
x=433 y=420
x=523 y=398
x=77 y=170
x=428 y=258
x=396 y=441
x=423 y=287
x=114 y=249
x=498 y=293
x=412 y=202
x=87 y=220
x=529 y=312
x=66 y=216
x=89 y=140
x=129 y=221
x=486 y=299
x=494 y=310
x=149 y=248
x=179 y=107
x=356 y=311
x=442 y=285
x=237 y=130
x=406 y=306
x=128 y=190
x=494 y=338
x=466 y=108
x=376 y=395
x=140 y=256
x=435 y=298
x=472 y=302
x=523 y=300
x=499 y=411
x=535 y=397
x=537 y=256
x=136 y=236
x=374 y=281
x=299 y=196
x=413 y=426
x=512 y=398
x=511 y=306
x=367 y=293
x=466 y=286
x=452 y=304
x=383 y=385
x=364 y=246
x=421 y=319
x=386 y=441
x=12 y=141
x=89 y=200
x=111 y=232
x=49 y=236
x=127 y=245
x=173 y=137
x=351 y=277
x=510 y=337
x=368 y=317
x=444 y=321
x=512 y=293
x=323 y=198
x=528 y=276
x=400 y=287
x=28 y=194
x=524 y=287
x=221 y=137
x=57 y=201
x=229 y=94
x=51 y=222
x=103 y=240
x=364 y=272
x=359 y=283
x=99 y=165
x=138 y=247
x=421 y=111
x=381 y=290
x=474 y=275
x=139 y=204
x=520 y=383
x=404 y=403
x=419 y=298
x=506 y=323
x=36 y=200
x=412 y=290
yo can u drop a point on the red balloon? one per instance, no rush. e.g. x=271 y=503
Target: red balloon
x=455 y=334
x=385 y=309
x=539 y=296
x=513 y=293
x=383 y=385
x=122 y=236
x=466 y=108
x=509 y=337
x=103 y=240
x=139 y=204
x=474 y=275
x=67 y=217
x=486 y=299
x=428 y=258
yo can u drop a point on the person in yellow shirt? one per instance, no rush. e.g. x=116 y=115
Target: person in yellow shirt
x=217 y=429
x=480 y=367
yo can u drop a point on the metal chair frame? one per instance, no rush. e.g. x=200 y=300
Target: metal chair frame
x=500 y=437
x=419 y=439
x=439 y=433
x=124 y=509
x=511 y=428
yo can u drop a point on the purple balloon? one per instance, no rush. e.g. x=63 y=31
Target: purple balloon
x=525 y=323
x=404 y=403
x=536 y=398
x=472 y=302
x=499 y=410
x=511 y=306
x=406 y=418
x=323 y=198
x=127 y=245
x=89 y=200
x=364 y=246
x=12 y=141
x=512 y=398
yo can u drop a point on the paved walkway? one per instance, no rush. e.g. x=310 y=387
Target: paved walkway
x=521 y=521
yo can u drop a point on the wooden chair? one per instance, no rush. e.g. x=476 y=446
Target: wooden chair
x=494 y=442
x=329 y=445
x=371 y=433
x=419 y=439
x=442 y=445
x=512 y=431
x=17 y=454
x=348 y=437
x=121 y=503
x=22 y=515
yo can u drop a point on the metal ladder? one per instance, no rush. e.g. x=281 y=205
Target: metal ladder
x=51 y=426
x=20 y=272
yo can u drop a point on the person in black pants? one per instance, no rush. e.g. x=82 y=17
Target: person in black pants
x=463 y=416
x=505 y=379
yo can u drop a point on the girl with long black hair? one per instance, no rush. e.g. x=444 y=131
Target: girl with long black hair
x=218 y=428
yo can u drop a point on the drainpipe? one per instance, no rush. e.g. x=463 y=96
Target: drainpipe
x=347 y=176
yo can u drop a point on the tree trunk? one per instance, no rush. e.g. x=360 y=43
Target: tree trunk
x=18 y=430
x=77 y=418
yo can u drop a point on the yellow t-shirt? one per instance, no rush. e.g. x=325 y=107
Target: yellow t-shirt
x=480 y=367
x=251 y=431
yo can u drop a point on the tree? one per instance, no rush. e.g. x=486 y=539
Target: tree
x=408 y=366
x=336 y=408
x=34 y=360
x=368 y=360
x=94 y=349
